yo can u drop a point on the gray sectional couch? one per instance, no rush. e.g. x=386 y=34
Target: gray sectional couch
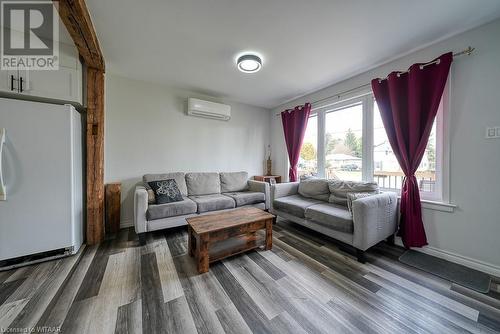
x=202 y=193
x=321 y=205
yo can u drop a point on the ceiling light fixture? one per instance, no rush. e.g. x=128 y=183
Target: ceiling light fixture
x=249 y=63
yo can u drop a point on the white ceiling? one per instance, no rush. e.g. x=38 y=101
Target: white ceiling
x=306 y=45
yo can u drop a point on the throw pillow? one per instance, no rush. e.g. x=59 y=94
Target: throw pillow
x=354 y=196
x=166 y=191
x=179 y=178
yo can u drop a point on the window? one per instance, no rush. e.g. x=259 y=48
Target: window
x=346 y=140
x=308 y=160
x=343 y=143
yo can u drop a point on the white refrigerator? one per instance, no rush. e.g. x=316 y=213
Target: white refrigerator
x=41 y=193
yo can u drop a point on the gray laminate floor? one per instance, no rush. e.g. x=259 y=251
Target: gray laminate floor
x=304 y=285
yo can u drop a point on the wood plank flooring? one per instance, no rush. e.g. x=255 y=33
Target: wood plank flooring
x=305 y=284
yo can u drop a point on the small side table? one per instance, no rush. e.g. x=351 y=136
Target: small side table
x=112 y=202
x=268 y=178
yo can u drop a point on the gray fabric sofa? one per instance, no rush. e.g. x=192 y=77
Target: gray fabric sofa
x=322 y=206
x=202 y=193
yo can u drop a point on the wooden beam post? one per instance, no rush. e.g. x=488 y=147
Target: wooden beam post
x=75 y=16
x=95 y=156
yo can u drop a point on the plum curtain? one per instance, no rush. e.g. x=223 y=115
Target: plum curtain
x=408 y=103
x=294 y=127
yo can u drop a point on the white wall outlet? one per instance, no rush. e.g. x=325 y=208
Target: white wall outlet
x=493 y=132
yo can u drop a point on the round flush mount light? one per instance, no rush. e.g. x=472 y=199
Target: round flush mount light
x=249 y=63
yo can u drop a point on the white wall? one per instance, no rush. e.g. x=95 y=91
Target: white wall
x=471 y=234
x=148 y=131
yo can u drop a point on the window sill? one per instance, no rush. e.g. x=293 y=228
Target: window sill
x=436 y=205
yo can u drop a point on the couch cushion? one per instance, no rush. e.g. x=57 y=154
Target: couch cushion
x=178 y=177
x=202 y=183
x=213 y=202
x=332 y=216
x=246 y=197
x=184 y=207
x=234 y=181
x=294 y=205
x=314 y=188
x=339 y=190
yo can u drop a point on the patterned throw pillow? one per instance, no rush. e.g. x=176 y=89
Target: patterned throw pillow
x=166 y=191
x=354 y=196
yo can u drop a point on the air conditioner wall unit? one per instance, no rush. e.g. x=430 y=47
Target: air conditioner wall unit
x=207 y=109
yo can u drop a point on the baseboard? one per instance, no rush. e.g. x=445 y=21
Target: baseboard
x=126 y=223
x=457 y=258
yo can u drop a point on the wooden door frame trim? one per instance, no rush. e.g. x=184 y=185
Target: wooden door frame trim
x=76 y=18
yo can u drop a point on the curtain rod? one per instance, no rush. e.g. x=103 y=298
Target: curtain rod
x=467 y=52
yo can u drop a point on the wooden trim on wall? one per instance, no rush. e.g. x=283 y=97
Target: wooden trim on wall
x=75 y=16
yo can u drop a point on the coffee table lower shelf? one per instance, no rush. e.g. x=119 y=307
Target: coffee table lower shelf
x=233 y=246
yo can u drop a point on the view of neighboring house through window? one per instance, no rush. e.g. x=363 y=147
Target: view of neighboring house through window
x=308 y=161
x=343 y=143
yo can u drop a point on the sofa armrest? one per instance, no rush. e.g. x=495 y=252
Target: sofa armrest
x=375 y=218
x=262 y=187
x=140 y=209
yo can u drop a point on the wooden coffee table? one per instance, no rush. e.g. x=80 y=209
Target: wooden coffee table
x=216 y=236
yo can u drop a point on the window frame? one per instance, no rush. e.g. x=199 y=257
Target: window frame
x=367 y=100
x=340 y=104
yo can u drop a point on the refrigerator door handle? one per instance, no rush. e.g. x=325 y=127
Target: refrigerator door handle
x=3 y=190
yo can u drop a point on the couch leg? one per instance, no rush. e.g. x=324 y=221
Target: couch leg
x=361 y=256
x=142 y=238
x=390 y=240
